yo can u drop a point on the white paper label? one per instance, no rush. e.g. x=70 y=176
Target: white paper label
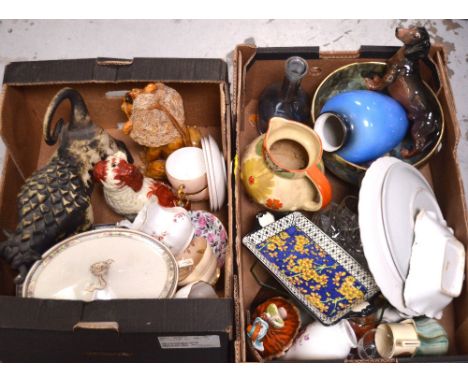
x=189 y=342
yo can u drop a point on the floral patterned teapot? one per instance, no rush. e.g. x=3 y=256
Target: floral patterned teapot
x=283 y=168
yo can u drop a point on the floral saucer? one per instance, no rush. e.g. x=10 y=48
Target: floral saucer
x=210 y=227
x=312 y=267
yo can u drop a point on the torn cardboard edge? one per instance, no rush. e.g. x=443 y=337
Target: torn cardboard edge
x=115 y=70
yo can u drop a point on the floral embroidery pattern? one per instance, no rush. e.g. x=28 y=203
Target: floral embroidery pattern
x=325 y=283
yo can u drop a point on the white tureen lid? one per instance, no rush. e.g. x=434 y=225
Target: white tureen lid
x=111 y=263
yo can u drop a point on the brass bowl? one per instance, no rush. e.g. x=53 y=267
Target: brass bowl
x=351 y=77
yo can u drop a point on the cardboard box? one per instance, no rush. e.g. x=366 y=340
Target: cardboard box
x=119 y=330
x=255 y=68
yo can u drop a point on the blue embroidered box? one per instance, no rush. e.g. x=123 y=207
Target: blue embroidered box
x=312 y=267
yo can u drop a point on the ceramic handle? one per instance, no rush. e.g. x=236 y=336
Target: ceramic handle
x=321 y=182
x=409 y=343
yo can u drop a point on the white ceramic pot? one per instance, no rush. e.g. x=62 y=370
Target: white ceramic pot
x=320 y=342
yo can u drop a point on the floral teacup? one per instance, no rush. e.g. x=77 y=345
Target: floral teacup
x=211 y=228
x=171 y=226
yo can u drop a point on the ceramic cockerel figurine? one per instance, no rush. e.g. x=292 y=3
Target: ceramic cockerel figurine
x=126 y=190
x=54 y=202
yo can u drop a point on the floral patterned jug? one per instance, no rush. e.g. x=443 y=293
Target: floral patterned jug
x=278 y=185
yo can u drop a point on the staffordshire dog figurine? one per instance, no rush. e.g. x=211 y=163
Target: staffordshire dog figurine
x=404 y=83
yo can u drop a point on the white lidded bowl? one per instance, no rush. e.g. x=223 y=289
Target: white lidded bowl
x=112 y=263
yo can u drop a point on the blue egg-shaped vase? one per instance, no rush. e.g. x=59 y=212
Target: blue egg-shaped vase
x=361 y=125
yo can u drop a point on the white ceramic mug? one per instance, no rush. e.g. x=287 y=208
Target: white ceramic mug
x=171 y=226
x=323 y=342
x=436 y=269
x=186 y=168
x=398 y=339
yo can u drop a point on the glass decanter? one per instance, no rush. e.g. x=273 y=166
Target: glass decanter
x=286 y=99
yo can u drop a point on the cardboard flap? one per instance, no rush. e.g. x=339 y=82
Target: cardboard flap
x=115 y=70
x=118 y=330
x=377 y=51
x=132 y=316
x=36 y=314
x=242 y=53
x=283 y=53
x=180 y=315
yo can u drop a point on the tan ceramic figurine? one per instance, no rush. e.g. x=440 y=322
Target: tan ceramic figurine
x=157 y=122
